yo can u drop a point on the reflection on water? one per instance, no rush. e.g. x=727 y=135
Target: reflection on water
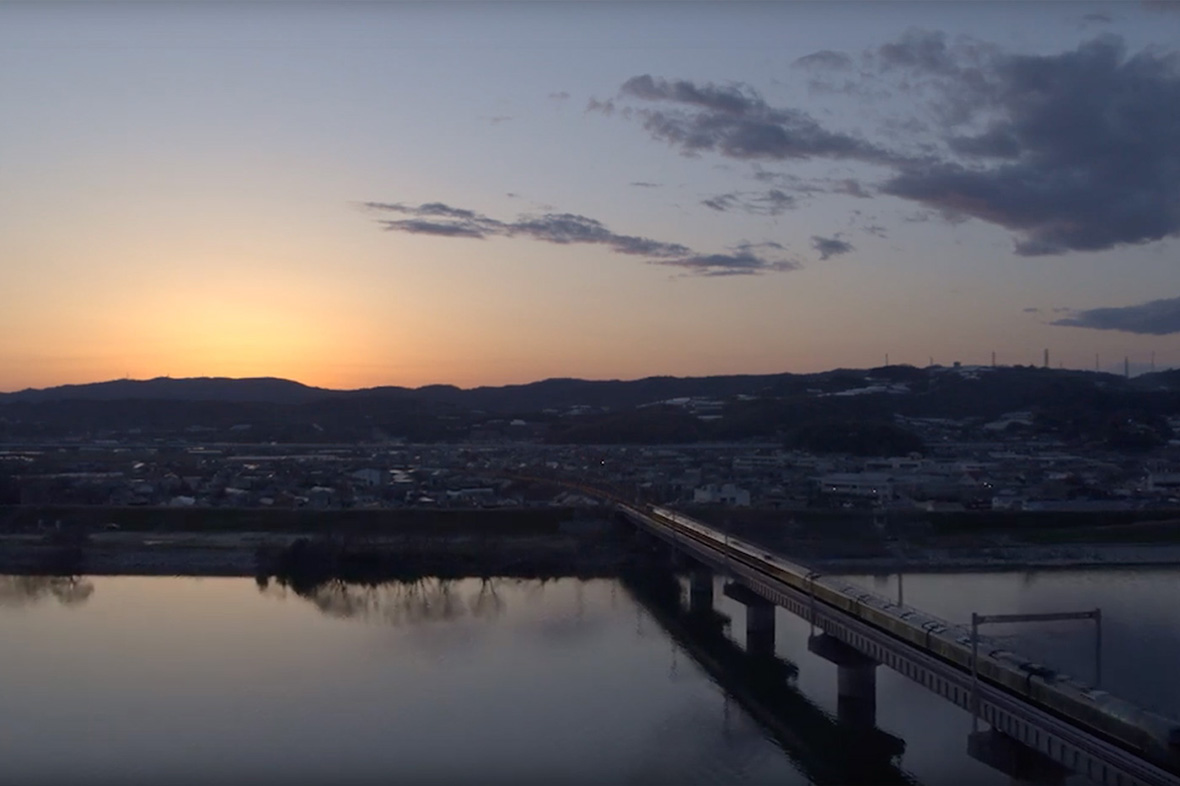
x=23 y=590
x=468 y=681
x=482 y=680
x=409 y=602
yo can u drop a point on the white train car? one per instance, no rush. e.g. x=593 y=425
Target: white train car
x=1151 y=735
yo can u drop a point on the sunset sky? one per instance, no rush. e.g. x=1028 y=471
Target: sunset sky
x=359 y=194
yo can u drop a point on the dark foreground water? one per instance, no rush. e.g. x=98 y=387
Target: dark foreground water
x=128 y=679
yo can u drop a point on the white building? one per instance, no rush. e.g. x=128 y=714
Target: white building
x=725 y=494
x=369 y=477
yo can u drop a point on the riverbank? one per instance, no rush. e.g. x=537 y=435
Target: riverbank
x=859 y=544
x=513 y=542
x=1008 y=559
x=576 y=546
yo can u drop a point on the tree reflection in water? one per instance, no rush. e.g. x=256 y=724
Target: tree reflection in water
x=411 y=601
x=26 y=590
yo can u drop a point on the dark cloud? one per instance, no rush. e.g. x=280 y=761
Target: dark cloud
x=764 y=203
x=925 y=50
x=830 y=246
x=1072 y=151
x=721 y=202
x=755 y=246
x=741 y=263
x=995 y=142
x=1154 y=318
x=436 y=218
x=565 y=228
x=644 y=184
x=1081 y=157
x=1032 y=311
x=560 y=96
x=736 y=122
x=1098 y=18
x=825 y=58
x=418 y=226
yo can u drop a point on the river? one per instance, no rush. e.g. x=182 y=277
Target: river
x=201 y=680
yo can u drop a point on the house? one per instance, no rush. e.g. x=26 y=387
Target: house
x=725 y=494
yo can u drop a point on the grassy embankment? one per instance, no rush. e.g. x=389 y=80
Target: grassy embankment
x=398 y=521
x=1032 y=527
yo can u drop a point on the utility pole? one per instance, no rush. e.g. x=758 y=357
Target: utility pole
x=1046 y=358
x=1126 y=367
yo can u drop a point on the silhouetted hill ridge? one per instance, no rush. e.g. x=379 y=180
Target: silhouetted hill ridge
x=1067 y=402
x=255 y=389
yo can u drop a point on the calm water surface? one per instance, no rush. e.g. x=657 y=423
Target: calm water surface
x=110 y=679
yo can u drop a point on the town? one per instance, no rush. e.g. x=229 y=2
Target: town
x=991 y=466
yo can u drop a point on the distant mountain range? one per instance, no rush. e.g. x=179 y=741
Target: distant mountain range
x=558 y=392
x=536 y=395
x=652 y=409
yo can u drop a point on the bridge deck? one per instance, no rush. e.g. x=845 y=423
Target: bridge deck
x=1065 y=743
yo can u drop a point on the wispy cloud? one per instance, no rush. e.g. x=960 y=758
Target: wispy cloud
x=1154 y=318
x=442 y=220
x=762 y=203
x=735 y=121
x=824 y=58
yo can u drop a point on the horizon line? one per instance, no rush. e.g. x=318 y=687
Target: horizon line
x=954 y=365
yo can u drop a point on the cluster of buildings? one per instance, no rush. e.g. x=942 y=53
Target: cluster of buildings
x=954 y=474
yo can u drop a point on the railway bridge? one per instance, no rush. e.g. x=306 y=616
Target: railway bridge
x=1028 y=742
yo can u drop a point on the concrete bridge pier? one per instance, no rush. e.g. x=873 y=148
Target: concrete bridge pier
x=1023 y=765
x=856 y=680
x=700 y=590
x=759 y=619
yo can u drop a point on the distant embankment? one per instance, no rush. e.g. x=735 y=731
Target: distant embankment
x=306 y=547
x=1025 y=525
x=524 y=521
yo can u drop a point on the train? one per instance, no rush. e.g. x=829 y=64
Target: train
x=1150 y=735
